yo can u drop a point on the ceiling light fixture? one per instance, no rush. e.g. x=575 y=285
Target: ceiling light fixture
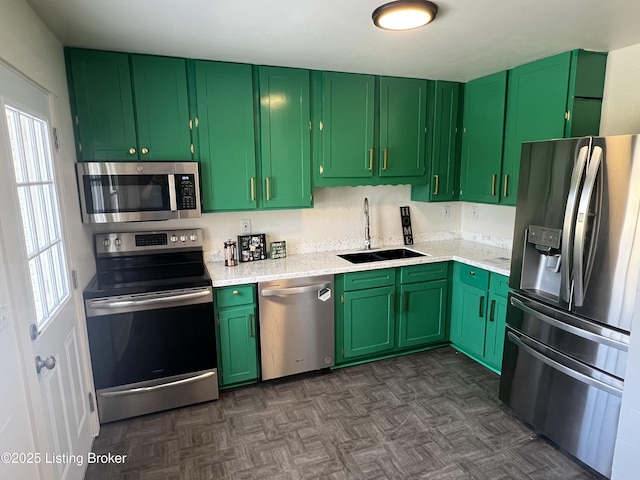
x=404 y=14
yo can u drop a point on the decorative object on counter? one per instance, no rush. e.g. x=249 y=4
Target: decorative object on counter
x=405 y=218
x=278 y=249
x=230 y=253
x=252 y=247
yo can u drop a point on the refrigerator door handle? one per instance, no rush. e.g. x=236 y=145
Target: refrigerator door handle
x=581 y=272
x=580 y=332
x=569 y=223
x=581 y=377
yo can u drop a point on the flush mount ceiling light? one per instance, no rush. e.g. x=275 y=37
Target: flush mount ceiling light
x=404 y=14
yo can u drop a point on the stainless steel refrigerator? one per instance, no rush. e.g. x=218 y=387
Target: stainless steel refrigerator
x=574 y=275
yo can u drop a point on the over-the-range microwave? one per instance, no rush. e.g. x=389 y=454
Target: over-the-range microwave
x=138 y=191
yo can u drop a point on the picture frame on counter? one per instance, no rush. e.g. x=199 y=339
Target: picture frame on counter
x=252 y=247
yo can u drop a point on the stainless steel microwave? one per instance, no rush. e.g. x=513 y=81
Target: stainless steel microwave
x=138 y=191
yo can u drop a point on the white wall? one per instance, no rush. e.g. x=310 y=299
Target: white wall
x=621 y=115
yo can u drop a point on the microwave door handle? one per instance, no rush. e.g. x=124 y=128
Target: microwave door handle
x=582 y=271
x=569 y=223
x=173 y=201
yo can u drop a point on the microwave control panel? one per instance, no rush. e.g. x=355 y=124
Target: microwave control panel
x=186 y=191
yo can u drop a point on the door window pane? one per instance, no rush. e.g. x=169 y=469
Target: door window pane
x=39 y=211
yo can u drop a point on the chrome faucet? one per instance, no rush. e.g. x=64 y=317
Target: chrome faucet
x=367 y=233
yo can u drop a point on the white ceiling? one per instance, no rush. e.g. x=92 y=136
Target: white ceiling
x=468 y=39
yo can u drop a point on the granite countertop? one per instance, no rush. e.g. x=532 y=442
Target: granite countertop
x=479 y=255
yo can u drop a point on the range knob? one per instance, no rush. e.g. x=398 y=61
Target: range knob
x=193 y=237
x=106 y=242
x=117 y=242
x=183 y=238
x=173 y=239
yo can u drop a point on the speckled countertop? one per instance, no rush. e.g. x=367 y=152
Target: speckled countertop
x=479 y=255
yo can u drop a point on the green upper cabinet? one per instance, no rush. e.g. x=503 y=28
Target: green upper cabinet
x=443 y=143
x=370 y=130
x=551 y=98
x=403 y=107
x=482 y=138
x=104 y=119
x=285 y=137
x=129 y=107
x=226 y=134
x=347 y=125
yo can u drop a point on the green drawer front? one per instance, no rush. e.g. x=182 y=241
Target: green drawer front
x=237 y=295
x=499 y=284
x=422 y=273
x=473 y=276
x=369 y=279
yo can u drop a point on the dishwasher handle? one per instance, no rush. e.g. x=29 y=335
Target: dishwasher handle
x=273 y=292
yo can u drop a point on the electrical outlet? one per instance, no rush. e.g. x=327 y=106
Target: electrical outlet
x=245 y=226
x=475 y=212
x=446 y=211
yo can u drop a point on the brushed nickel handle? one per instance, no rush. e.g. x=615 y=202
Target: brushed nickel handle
x=506 y=185
x=370 y=159
x=385 y=155
x=48 y=363
x=437 y=187
x=145 y=150
x=132 y=151
x=253 y=189
x=268 y=182
x=493 y=184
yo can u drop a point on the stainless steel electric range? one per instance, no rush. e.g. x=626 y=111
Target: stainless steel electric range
x=150 y=323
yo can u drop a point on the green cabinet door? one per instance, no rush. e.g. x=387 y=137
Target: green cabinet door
x=423 y=312
x=369 y=321
x=238 y=345
x=482 y=138
x=468 y=320
x=445 y=141
x=227 y=148
x=285 y=138
x=403 y=115
x=496 y=326
x=162 y=108
x=101 y=91
x=536 y=107
x=347 y=125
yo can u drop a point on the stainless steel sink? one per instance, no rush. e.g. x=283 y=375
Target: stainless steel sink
x=381 y=255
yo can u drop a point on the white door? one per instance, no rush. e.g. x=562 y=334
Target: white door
x=40 y=291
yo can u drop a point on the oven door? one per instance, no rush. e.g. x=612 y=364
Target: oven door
x=152 y=351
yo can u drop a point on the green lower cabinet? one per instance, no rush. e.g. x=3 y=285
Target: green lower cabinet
x=423 y=313
x=237 y=335
x=392 y=311
x=478 y=314
x=369 y=321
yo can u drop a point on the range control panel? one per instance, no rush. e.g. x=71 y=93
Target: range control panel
x=131 y=242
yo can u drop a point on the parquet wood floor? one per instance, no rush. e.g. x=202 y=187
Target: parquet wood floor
x=431 y=415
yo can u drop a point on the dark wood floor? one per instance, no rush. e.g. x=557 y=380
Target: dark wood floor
x=432 y=415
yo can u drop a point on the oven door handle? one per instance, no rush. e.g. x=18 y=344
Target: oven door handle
x=149 y=301
x=184 y=381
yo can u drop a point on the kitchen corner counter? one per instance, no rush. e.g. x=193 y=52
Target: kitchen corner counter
x=493 y=259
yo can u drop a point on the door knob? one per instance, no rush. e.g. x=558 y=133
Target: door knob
x=48 y=363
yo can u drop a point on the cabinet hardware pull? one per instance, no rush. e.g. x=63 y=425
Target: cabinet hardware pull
x=235 y=292
x=481 y=307
x=393 y=302
x=406 y=301
x=145 y=150
x=386 y=158
x=493 y=185
x=437 y=187
x=132 y=151
x=253 y=189
x=268 y=182
x=492 y=312
x=251 y=328
x=567 y=115
x=506 y=185
x=472 y=273
x=370 y=159
x=197 y=122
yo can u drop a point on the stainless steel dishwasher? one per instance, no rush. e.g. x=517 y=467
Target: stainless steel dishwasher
x=296 y=325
